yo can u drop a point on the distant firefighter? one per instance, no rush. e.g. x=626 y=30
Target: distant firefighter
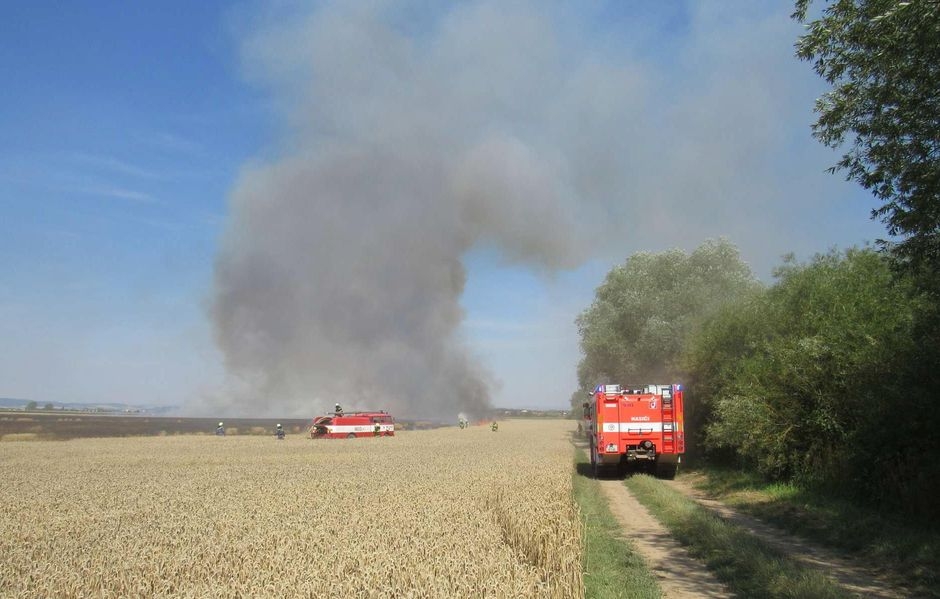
x=279 y=431
x=220 y=430
x=494 y=427
x=339 y=410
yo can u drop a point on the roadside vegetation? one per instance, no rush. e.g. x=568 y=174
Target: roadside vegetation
x=746 y=564
x=612 y=567
x=820 y=381
x=904 y=549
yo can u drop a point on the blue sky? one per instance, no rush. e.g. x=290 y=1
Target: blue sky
x=125 y=126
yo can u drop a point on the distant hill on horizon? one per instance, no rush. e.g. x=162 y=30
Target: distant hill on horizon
x=18 y=403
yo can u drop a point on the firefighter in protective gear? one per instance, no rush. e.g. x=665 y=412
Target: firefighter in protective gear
x=279 y=431
x=494 y=427
x=339 y=410
x=220 y=430
x=378 y=429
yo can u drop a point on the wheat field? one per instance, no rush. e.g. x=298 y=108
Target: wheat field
x=443 y=513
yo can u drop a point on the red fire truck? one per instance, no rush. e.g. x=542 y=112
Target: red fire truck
x=353 y=424
x=636 y=427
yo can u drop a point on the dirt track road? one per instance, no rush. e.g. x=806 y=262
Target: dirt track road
x=851 y=576
x=679 y=575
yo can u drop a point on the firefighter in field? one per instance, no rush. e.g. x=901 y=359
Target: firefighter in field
x=220 y=430
x=494 y=427
x=339 y=410
x=279 y=432
x=378 y=429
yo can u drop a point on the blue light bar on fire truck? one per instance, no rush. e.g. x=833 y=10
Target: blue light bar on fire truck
x=608 y=390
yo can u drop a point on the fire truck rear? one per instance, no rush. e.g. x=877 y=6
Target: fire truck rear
x=636 y=427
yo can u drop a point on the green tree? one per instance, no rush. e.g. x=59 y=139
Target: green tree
x=815 y=381
x=31 y=406
x=715 y=359
x=882 y=58
x=642 y=314
x=48 y=406
x=577 y=400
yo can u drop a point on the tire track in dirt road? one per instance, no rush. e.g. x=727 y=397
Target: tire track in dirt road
x=851 y=576
x=680 y=576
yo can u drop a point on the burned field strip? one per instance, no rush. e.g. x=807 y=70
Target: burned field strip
x=62 y=425
x=23 y=426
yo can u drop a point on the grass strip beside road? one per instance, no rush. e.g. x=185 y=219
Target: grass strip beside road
x=905 y=548
x=746 y=564
x=612 y=567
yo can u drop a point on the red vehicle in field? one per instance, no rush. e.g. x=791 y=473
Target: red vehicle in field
x=636 y=427
x=353 y=424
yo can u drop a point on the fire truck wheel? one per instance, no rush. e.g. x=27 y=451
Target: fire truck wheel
x=666 y=471
x=594 y=466
x=351 y=436
x=623 y=468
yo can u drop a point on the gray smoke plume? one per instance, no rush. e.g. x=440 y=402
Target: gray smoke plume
x=339 y=275
x=413 y=133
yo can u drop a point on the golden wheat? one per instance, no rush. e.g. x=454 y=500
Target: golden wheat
x=444 y=513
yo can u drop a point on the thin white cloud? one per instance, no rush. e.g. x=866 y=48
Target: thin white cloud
x=162 y=224
x=48 y=173
x=110 y=191
x=117 y=166
x=172 y=142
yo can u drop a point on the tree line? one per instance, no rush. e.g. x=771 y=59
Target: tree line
x=828 y=377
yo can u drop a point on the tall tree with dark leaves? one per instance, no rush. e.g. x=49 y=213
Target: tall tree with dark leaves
x=882 y=58
x=635 y=330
